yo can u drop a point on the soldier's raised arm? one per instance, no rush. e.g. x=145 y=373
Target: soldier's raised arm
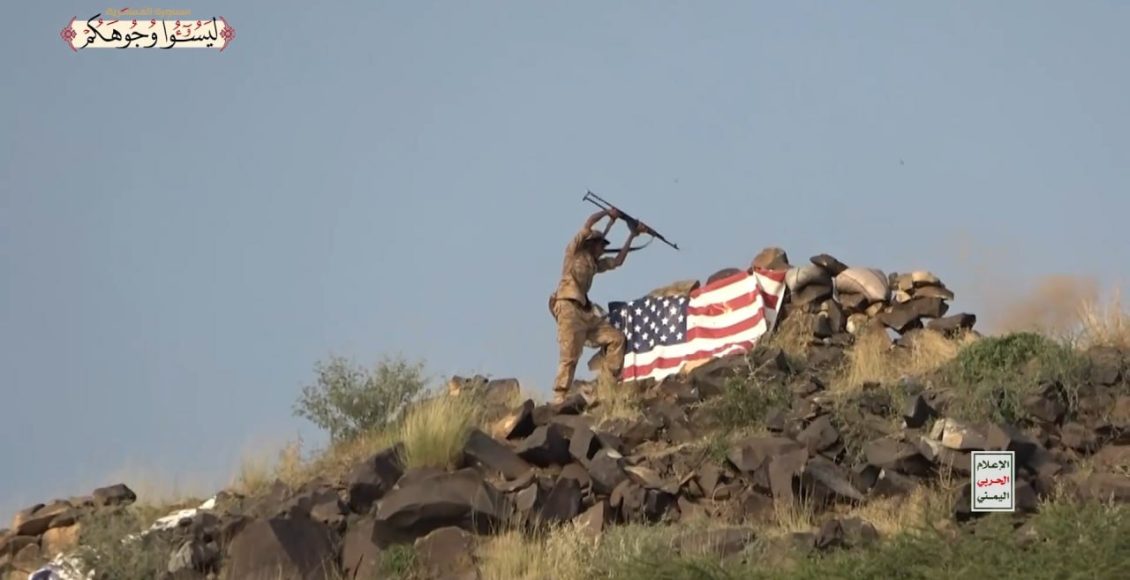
x=606 y=264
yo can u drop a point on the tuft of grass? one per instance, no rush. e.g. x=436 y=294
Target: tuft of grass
x=398 y=562
x=616 y=400
x=562 y=552
x=793 y=335
x=435 y=430
x=992 y=376
x=1104 y=324
x=873 y=357
x=258 y=472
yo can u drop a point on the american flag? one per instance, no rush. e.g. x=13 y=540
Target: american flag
x=724 y=317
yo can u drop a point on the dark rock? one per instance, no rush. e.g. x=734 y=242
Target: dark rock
x=447 y=553
x=656 y=503
x=282 y=548
x=360 y=556
x=853 y=302
x=577 y=472
x=918 y=411
x=1107 y=365
x=607 y=471
x=1009 y=438
x=828 y=263
x=771 y=259
x=1049 y=404
x=459 y=499
x=830 y=480
x=526 y=500
x=371 y=479
x=781 y=472
x=812 y=293
x=751 y=453
x=846 y=533
x=583 y=444
x=819 y=435
x=1077 y=437
x=546 y=446
x=563 y=503
x=495 y=456
x=593 y=520
x=821 y=328
x=908 y=315
x=708 y=477
x=896 y=455
x=114 y=495
x=837 y=320
x=892 y=484
x=825 y=357
x=954 y=324
x=520 y=424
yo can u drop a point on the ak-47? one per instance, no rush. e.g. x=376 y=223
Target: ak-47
x=631 y=221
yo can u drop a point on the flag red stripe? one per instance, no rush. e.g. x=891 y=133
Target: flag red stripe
x=717 y=308
x=667 y=363
x=700 y=333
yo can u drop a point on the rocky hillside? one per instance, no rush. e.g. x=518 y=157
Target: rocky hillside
x=857 y=413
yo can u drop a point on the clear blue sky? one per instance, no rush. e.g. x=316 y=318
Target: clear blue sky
x=183 y=234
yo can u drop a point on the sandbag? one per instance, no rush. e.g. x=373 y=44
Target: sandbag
x=869 y=282
x=799 y=277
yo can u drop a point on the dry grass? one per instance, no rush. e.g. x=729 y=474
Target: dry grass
x=434 y=431
x=257 y=471
x=926 y=505
x=873 y=358
x=616 y=400
x=793 y=335
x=1104 y=323
x=564 y=552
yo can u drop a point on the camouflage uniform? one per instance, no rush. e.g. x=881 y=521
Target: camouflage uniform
x=578 y=322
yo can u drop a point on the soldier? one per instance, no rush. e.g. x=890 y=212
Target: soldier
x=578 y=321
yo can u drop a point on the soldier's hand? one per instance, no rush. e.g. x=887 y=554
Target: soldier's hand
x=641 y=228
x=614 y=213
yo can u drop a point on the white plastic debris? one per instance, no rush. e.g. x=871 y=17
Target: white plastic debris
x=66 y=567
x=62 y=567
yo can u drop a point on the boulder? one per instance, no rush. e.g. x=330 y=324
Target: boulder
x=771 y=258
x=829 y=264
x=447 y=553
x=114 y=495
x=494 y=455
x=372 y=478
x=517 y=425
x=546 y=446
x=291 y=548
x=462 y=499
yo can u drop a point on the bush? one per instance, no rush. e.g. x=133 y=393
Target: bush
x=105 y=549
x=992 y=376
x=747 y=401
x=348 y=399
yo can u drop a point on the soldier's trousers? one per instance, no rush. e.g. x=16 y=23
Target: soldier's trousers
x=577 y=326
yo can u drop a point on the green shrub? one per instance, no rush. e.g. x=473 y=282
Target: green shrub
x=103 y=547
x=991 y=377
x=747 y=401
x=348 y=399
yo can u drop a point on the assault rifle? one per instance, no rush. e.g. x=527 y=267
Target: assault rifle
x=631 y=221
